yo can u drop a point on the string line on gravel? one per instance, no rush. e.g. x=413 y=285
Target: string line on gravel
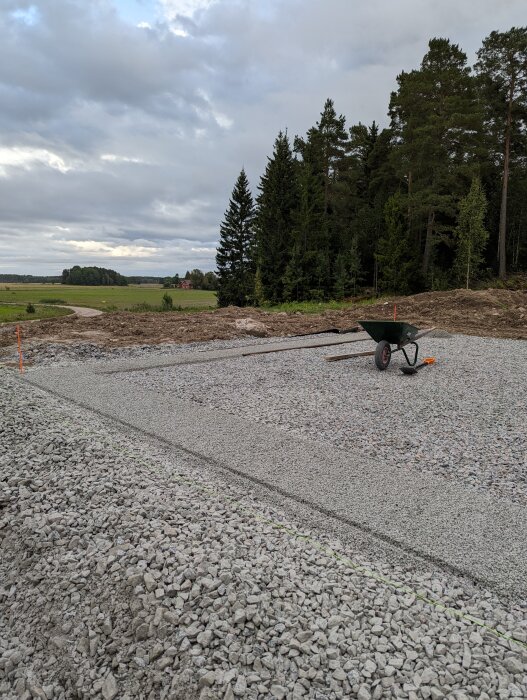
x=319 y=546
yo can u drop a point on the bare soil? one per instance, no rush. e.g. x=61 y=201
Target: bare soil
x=493 y=312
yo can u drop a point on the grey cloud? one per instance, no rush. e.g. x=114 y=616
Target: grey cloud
x=82 y=84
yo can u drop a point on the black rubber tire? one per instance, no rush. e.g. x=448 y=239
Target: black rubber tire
x=383 y=354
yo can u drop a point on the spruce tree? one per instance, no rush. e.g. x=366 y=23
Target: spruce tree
x=341 y=277
x=293 y=276
x=396 y=255
x=276 y=203
x=354 y=265
x=348 y=271
x=471 y=233
x=502 y=67
x=372 y=181
x=235 y=252
x=321 y=222
x=310 y=234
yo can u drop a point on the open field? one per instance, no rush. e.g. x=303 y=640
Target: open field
x=11 y=313
x=270 y=527
x=104 y=298
x=492 y=312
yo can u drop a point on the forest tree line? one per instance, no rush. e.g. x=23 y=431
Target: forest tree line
x=437 y=199
x=101 y=276
x=93 y=277
x=197 y=278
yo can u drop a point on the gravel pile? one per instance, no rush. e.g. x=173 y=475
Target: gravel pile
x=128 y=573
x=463 y=419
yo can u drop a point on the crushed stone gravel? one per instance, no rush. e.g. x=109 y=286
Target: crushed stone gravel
x=463 y=419
x=45 y=354
x=127 y=573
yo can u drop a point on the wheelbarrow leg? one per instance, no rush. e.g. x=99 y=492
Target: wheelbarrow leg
x=415 y=356
x=383 y=354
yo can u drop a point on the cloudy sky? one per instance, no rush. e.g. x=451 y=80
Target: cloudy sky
x=124 y=123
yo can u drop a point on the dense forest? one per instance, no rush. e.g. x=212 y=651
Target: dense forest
x=436 y=200
x=93 y=277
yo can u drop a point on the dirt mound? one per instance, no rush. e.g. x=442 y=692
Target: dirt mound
x=498 y=313
x=493 y=312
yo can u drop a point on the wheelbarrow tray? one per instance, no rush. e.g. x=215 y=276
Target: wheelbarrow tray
x=394 y=332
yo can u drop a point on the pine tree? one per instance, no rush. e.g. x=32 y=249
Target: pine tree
x=396 y=255
x=235 y=253
x=335 y=145
x=517 y=215
x=471 y=233
x=502 y=67
x=334 y=148
x=437 y=124
x=276 y=204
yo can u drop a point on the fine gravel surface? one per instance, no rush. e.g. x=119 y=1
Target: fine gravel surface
x=463 y=419
x=131 y=572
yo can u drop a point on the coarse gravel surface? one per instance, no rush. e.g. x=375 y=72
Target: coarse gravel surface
x=469 y=532
x=131 y=572
x=66 y=354
x=463 y=419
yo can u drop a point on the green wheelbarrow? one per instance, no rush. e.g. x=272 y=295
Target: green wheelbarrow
x=387 y=334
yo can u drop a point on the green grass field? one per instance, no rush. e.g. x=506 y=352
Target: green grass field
x=104 y=298
x=10 y=313
x=143 y=298
x=317 y=307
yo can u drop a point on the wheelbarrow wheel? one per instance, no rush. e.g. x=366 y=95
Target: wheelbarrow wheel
x=383 y=354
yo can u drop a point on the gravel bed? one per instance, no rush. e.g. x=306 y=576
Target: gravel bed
x=66 y=354
x=463 y=418
x=126 y=572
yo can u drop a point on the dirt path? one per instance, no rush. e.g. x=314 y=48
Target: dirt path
x=491 y=312
x=85 y=312
x=82 y=311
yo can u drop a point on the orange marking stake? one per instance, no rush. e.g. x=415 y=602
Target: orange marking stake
x=395 y=312
x=20 y=360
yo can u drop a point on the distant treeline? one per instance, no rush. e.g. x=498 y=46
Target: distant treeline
x=100 y=276
x=435 y=200
x=93 y=277
x=30 y=279
x=144 y=280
